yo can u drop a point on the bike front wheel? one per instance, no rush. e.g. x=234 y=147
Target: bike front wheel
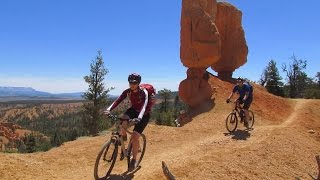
x=106 y=159
x=141 y=151
x=251 y=119
x=231 y=122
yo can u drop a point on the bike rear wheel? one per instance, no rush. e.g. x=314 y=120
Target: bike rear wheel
x=251 y=119
x=106 y=159
x=142 y=149
x=231 y=122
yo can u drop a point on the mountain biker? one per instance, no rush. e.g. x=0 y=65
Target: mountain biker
x=245 y=97
x=139 y=112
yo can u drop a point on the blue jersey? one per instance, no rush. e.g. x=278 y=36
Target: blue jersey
x=243 y=90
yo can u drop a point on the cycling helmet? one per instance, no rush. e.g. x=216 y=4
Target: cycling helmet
x=240 y=79
x=134 y=78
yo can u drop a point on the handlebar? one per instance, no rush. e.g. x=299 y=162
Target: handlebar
x=236 y=105
x=118 y=125
x=113 y=117
x=116 y=118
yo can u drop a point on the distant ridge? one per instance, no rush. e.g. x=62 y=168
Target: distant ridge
x=21 y=91
x=30 y=92
x=8 y=94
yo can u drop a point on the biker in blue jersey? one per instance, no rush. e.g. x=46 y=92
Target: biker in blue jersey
x=245 y=97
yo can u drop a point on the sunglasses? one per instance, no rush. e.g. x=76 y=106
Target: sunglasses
x=134 y=83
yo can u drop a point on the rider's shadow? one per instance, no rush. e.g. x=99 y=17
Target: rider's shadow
x=239 y=134
x=124 y=176
x=120 y=177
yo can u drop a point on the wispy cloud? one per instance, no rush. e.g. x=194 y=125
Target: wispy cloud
x=47 y=84
x=65 y=85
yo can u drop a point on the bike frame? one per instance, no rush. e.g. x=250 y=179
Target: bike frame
x=237 y=109
x=239 y=116
x=114 y=141
x=116 y=136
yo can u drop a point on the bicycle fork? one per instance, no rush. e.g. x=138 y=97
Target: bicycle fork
x=113 y=139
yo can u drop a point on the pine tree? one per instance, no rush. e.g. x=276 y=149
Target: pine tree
x=272 y=79
x=176 y=107
x=318 y=79
x=264 y=77
x=176 y=101
x=312 y=89
x=56 y=141
x=158 y=118
x=96 y=95
x=30 y=142
x=165 y=94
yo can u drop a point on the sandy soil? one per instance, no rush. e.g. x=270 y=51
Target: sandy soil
x=280 y=146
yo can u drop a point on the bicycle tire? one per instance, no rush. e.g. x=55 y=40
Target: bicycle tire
x=232 y=119
x=142 y=151
x=251 y=122
x=104 y=150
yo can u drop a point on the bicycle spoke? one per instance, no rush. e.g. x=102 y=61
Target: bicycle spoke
x=251 y=119
x=231 y=122
x=105 y=160
x=141 y=151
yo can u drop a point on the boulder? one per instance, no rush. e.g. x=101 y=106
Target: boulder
x=234 y=49
x=200 y=41
x=195 y=89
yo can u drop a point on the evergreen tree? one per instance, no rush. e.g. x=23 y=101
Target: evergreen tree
x=158 y=116
x=176 y=102
x=272 y=79
x=312 y=90
x=56 y=141
x=165 y=94
x=264 y=77
x=30 y=142
x=96 y=95
x=176 y=107
x=318 y=79
x=21 y=147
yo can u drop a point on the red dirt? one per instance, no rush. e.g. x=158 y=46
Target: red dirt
x=279 y=147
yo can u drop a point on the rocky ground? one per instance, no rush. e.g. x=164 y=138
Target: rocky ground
x=283 y=145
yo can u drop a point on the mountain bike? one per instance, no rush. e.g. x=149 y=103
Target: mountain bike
x=238 y=113
x=108 y=154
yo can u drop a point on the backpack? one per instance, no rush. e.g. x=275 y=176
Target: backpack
x=151 y=93
x=250 y=87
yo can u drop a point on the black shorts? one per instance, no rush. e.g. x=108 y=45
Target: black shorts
x=132 y=113
x=246 y=103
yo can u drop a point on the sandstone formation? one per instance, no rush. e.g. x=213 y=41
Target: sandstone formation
x=211 y=35
x=195 y=89
x=234 y=48
x=200 y=40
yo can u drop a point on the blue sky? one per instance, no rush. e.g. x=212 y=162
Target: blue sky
x=49 y=45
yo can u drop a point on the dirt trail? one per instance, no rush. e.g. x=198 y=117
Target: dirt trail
x=177 y=157
x=279 y=147
x=298 y=109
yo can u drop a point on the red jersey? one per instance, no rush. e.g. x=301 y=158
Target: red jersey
x=139 y=101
